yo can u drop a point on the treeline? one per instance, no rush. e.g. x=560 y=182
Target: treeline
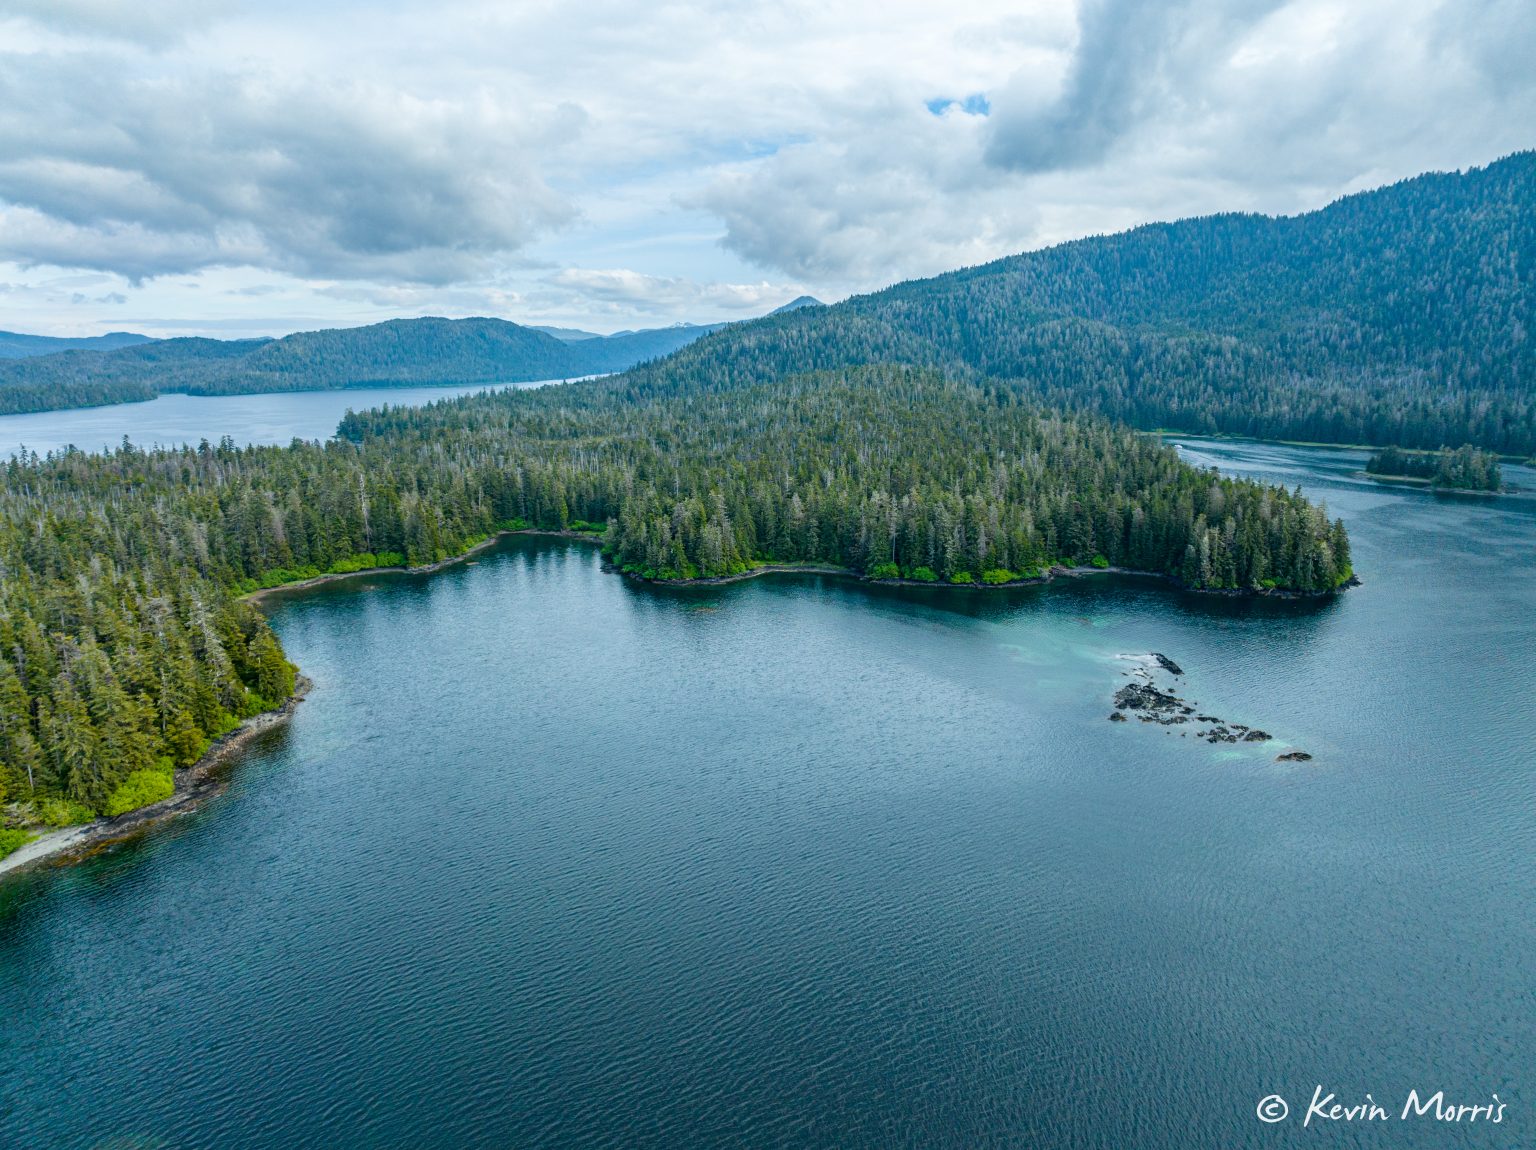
x=123 y=647
x=1466 y=468
x=116 y=669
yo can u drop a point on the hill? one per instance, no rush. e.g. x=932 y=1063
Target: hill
x=15 y=345
x=797 y=303
x=1398 y=316
x=397 y=353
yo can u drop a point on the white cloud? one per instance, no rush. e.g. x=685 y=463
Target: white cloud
x=636 y=289
x=125 y=170
x=407 y=157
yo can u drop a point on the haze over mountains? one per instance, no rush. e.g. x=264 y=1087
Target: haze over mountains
x=16 y=345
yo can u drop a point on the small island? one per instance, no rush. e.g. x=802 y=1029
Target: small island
x=1464 y=469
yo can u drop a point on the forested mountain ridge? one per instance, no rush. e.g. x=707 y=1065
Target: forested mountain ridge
x=17 y=345
x=1398 y=316
x=396 y=353
x=123 y=649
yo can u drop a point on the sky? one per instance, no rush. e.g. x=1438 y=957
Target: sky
x=254 y=168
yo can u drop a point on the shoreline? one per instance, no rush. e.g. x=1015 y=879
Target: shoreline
x=1166 y=433
x=193 y=785
x=1419 y=483
x=425 y=569
x=1051 y=574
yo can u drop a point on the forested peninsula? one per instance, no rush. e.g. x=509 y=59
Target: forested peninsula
x=125 y=647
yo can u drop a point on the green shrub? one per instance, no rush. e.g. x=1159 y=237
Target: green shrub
x=362 y=562
x=962 y=577
x=589 y=528
x=13 y=840
x=63 y=812
x=1099 y=561
x=884 y=571
x=139 y=790
x=923 y=575
x=280 y=575
x=997 y=575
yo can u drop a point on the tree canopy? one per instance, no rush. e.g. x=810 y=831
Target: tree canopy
x=124 y=647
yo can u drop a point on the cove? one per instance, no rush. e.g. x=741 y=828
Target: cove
x=553 y=858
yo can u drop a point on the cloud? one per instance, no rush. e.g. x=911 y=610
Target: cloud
x=896 y=191
x=1132 y=57
x=127 y=171
x=451 y=156
x=663 y=294
x=151 y=22
x=1159 y=110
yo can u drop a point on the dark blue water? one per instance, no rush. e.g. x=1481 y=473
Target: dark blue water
x=549 y=859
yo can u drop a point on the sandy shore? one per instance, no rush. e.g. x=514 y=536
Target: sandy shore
x=193 y=785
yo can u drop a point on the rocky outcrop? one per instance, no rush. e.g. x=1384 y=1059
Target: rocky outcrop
x=1152 y=703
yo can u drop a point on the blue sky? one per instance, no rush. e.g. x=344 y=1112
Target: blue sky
x=193 y=166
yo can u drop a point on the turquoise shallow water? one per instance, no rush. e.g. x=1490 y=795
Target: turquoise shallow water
x=551 y=859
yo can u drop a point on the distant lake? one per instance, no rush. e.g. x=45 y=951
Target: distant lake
x=553 y=859
x=172 y=420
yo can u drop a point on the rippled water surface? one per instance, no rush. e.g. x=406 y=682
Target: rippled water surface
x=550 y=859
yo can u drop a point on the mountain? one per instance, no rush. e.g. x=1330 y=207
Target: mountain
x=397 y=353
x=1401 y=316
x=797 y=303
x=1405 y=315
x=568 y=334
x=15 y=345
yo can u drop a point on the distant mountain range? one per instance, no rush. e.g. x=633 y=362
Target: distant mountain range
x=1401 y=316
x=14 y=345
x=397 y=353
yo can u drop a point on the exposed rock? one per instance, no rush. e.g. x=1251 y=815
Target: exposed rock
x=1294 y=757
x=1144 y=696
x=1151 y=704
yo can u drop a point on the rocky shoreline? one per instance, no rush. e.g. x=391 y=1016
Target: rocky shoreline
x=1151 y=703
x=194 y=785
